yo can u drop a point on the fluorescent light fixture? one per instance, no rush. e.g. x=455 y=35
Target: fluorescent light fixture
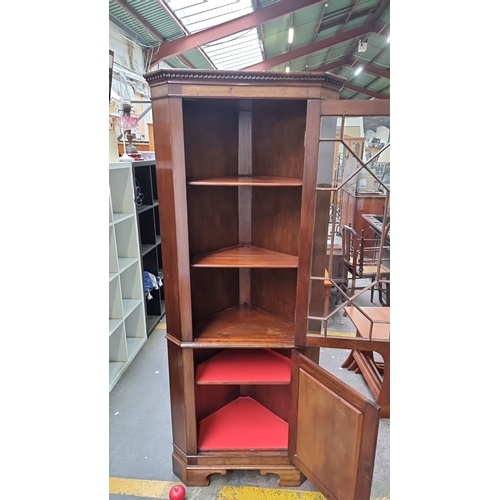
x=358 y=71
x=287 y=69
x=388 y=39
x=290 y=35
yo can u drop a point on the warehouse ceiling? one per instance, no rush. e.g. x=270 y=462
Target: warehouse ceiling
x=349 y=38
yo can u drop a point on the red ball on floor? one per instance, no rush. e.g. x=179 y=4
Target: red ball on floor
x=178 y=492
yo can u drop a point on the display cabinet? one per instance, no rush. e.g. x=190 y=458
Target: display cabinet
x=237 y=167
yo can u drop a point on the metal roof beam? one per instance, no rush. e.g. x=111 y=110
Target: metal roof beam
x=383 y=6
x=362 y=90
x=342 y=19
x=335 y=64
x=381 y=51
x=382 y=29
x=344 y=61
x=374 y=70
x=312 y=47
x=132 y=12
x=260 y=16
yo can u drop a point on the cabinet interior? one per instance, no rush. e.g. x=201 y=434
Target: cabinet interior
x=244 y=166
x=243 y=398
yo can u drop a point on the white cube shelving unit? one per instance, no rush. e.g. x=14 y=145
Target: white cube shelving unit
x=127 y=323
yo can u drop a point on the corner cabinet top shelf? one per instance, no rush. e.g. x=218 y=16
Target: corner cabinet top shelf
x=245 y=256
x=243 y=180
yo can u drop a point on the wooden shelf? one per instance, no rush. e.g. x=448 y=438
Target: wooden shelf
x=246 y=325
x=245 y=256
x=255 y=180
x=245 y=366
x=243 y=424
x=380 y=331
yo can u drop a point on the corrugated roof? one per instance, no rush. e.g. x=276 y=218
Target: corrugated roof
x=229 y=53
x=262 y=43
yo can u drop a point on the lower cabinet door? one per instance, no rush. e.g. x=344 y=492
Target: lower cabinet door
x=333 y=432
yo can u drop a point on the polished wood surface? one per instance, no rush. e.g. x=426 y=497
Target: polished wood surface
x=333 y=417
x=213 y=290
x=245 y=324
x=278 y=129
x=245 y=256
x=151 y=134
x=276 y=398
x=376 y=326
x=254 y=180
x=353 y=208
x=362 y=358
x=218 y=205
x=273 y=291
x=248 y=84
x=306 y=220
x=236 y=201
x=210 y=399
x=276 y=219
x=375 y=222
x=377 y=375
x=348 y=107
x=210 y=138
x=171 y=180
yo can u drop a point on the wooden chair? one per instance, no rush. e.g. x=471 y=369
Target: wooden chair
x=359 y=260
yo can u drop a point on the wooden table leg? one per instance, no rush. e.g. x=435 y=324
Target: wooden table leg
x=364 y=363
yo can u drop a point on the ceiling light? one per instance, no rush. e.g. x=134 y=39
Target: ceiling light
x=290 y=35
x=287 y=69
x=358 y=71
x=388 y=39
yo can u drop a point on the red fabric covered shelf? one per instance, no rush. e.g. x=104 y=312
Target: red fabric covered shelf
x=245 y=366
x=243 y=424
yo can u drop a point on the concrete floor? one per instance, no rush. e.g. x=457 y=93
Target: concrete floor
x=140 y=440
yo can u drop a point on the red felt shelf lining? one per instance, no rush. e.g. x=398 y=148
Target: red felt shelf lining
x=245 y=366
x=243 y=424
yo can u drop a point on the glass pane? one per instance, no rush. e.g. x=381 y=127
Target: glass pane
x=351 y=224
x=330 y=127
x=325 y=163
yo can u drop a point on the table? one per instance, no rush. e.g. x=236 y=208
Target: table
x=376 y=375
x=375 y=222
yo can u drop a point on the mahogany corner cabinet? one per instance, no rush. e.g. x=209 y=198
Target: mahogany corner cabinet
x=237 y=169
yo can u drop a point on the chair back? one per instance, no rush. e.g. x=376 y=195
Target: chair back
x=358 y=252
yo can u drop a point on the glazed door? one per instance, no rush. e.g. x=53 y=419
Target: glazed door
x=333 y=432
x=346 y=180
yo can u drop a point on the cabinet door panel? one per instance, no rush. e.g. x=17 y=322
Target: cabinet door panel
x=333 y=432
